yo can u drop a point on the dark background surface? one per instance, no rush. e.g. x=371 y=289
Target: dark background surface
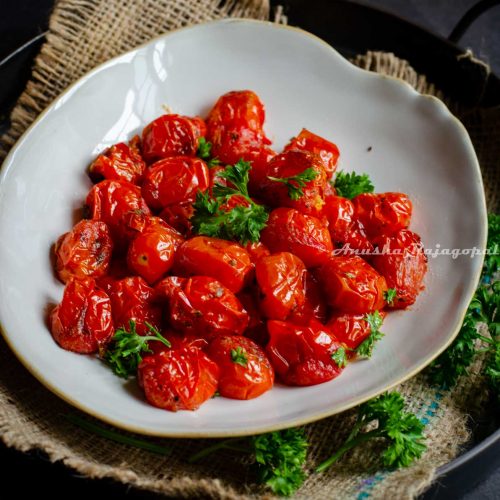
x=32 y=473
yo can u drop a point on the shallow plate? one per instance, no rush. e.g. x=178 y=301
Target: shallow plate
x=405 y=141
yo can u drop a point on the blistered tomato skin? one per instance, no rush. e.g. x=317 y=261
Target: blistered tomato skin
x=289 y=230
x=312 y=143
x=133 y=300
x=351 y=285
x=178 y=379
x=84 y=252
x=223 y=260
x=179 y=217
x=203 y=306
x=382 y=213
x=403 y=263
x=257 y=250
x=314 y=306
x=171 y=135
x=301 y=355
x=119 y=162
x=82 y=322
x=281 y=280
x=248 y=378
x=174 y=180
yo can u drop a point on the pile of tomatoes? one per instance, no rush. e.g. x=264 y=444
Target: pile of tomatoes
x=236 y=315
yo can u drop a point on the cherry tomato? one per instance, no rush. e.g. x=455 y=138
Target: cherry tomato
x=301 y=355
x=281 y=279
x=312 y=143
x=82 y=322
x=289 y=230
x=83 y=252
x=314 y=306
x=223 y=260
x=119 y=162
x=256 y=329
x=178 y=379
x=110 y=200
x=179 y=217
x=403 y=263
x=245 y=371
x=203 y=306
x=352 y=285
x=350 y=329
x=174 y=180
x=256 y=250
x=133 y=300
x=290 y=164
x=383 y=213
x=171 y=135
x=151 y=253
x=345 y=229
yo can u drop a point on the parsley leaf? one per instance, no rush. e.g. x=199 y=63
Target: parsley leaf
x=402 y=431
x=239 y=356
x=350 y=185
x=124 y=352
x=296 y=183
x=365 y=349
x=205 y=152
x=492 y=259
x=390 y=295
x=340 y=357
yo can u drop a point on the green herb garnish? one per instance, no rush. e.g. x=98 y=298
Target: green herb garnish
x=350 y=185
x=296 y=183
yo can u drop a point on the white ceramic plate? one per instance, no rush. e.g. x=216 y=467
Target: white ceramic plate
x=417 y=147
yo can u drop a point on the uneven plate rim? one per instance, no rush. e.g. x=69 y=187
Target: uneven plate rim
x=297 y=421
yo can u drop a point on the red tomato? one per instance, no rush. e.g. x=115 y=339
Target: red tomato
x=223 y=260
x=151 y=253
x=257 y=250
x=203 y=306
x=84 y=252
x=110 y=200
x=352 y=285
x=301 y=355
x=290 y=164
x=174 y=180
x=82 y=322
x=119 y=162
x=314 y=307
x=178 y=216
x=350 y=329
x=281 y=279
x=171 y=135
x=256 y=329
x=289 y=230
x=345 y=229
x=133 y=300
x=383 y=213
x=312 y=143
x=245 y=371
x=403 y=263
x=178 y=379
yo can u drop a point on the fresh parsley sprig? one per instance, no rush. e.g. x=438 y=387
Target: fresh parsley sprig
x=389 y=296
x=205 y=152
x=349 y=185
x=296 y=183
x=340 y=357
x=239 y=356
x=365 y=349
x=402 y=431
x=124 y=352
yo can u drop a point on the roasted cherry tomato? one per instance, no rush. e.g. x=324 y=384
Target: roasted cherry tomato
x=178 y=379
x=223 y=260
x=281 y=279
x=245 y=371
x=345 y=229
x=151 y=253
x=82 y=322
x=133 y=300
x=257 y=250
x=314 y=306
x=350 y=329
x=290 y=164
x=289 y=230
x=84 y=252
x=119 y=162
x=256 y=329
x=171 y=135
x=352 y=285
x=203 y=306
x=403 y=263
x=179 y=217
x=312 y=143
x=302 y=355
x=174 y=180
x=383 y=213
x=110 y=200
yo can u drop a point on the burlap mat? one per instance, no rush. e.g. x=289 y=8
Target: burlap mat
x=83 y=33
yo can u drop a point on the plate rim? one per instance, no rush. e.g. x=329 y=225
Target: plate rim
x=470 y=289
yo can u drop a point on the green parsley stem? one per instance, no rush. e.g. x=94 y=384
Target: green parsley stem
x=226 y=444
